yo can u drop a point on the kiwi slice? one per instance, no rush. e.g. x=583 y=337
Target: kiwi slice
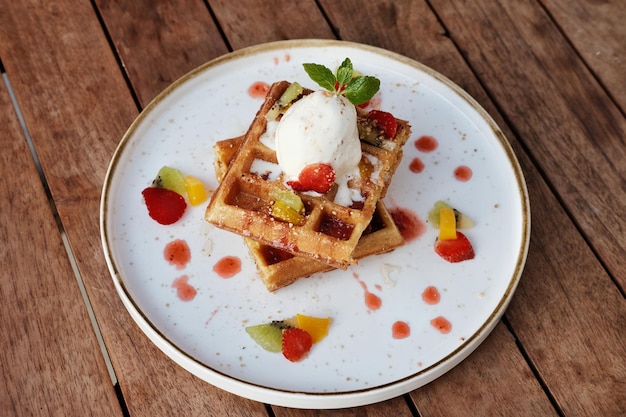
x=462 y=220
x=291 y=94
x=172 y=179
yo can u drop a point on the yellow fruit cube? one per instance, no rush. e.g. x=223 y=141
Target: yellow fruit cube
x=447 y=224
x=196 y=192
x=317 y=327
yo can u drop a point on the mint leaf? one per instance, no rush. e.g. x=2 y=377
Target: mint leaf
x=361 y=89
x=321 y=75
x=344 y=73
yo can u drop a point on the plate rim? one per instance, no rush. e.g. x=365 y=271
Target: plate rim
x=298 y=399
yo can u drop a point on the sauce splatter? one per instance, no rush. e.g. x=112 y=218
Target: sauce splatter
x=372 y=301
x=416 y=166
x=184 y=290
x=258 y=89
x=177 y=253
x=400 y=330
x=227 y=267
x=426 y=144
x=463 y=173
x=442 y=324
x=431 y=295
x=409 y=225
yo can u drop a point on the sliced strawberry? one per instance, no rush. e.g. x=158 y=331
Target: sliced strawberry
x=296 y=344
x=385 y=121
x=455 y=250
x=165 y=206
x=314 y=177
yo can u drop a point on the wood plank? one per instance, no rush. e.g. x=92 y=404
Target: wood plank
x=160 y=41
x=285 y=19
x=396 y=407
x=47 y=341
x=74 y=99
x=597 y=31
x=451 y=395
x=572 y=129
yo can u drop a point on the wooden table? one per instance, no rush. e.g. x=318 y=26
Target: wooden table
x=76 y=74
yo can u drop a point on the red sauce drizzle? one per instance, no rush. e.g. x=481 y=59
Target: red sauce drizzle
x=184 y=290
x=228 y=266
x=463 y=173
x=258 y=89
x=431 y=295
x=409 y=225
x=400 y=330
x=416 y=166
x=177 y=253
x=442 y=324
x=426 y=144
x=372 y=301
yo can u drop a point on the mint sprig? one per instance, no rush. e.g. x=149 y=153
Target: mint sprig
x=356 y=88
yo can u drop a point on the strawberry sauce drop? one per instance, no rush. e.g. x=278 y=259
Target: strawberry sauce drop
x=431 y=295
x=463 y=173
x=184 y=290
x=426 y=144
x=258 y=89
x=416 y=166
x=400 y=330
x=409 y=225
x=228 y=266
x=177 y=253
x=372 y=301
x=442 y=324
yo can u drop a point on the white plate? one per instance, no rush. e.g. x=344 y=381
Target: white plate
x=359 y=362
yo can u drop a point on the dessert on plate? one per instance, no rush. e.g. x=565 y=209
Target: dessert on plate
x=308 y=175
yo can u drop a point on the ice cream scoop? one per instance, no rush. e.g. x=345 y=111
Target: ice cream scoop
x=321 y=128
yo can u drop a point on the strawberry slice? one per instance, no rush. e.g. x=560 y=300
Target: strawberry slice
x=165 y=206
x=385 y=121
x=314 y=177
x=296 y=344
x=455 y=250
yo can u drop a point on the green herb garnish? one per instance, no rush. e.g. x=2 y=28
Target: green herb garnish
x=355 y=87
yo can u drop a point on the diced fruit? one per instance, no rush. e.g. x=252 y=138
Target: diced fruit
x=314 y=177
x=317 y=327
x=385 y=121
x=196 y=193
x=296 y=344
x=268 y=335
x=447 y=224
x=282 y=211
x=290 y=95
x=455 y=250
x=164 y=205
x=288 y=197
x=171 y=179
x=462 y=220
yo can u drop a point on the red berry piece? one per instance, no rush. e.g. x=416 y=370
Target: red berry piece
x=314 y=177
x=455 y=250
x=165 y=206
x=385 y=121
x=296 y=344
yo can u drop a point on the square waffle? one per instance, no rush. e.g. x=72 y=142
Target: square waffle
x=278 y=268
x=330 y=233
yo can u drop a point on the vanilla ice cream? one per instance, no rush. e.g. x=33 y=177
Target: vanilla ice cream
x=321 y=128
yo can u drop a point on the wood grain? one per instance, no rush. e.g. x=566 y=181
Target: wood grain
x=47 y=341
x=597 y=31
x=160 y=41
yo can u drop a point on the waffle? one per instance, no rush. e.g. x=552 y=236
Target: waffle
x=278 y=268
x=330 y=233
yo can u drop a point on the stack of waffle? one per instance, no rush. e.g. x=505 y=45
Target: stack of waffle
x=332 y=235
